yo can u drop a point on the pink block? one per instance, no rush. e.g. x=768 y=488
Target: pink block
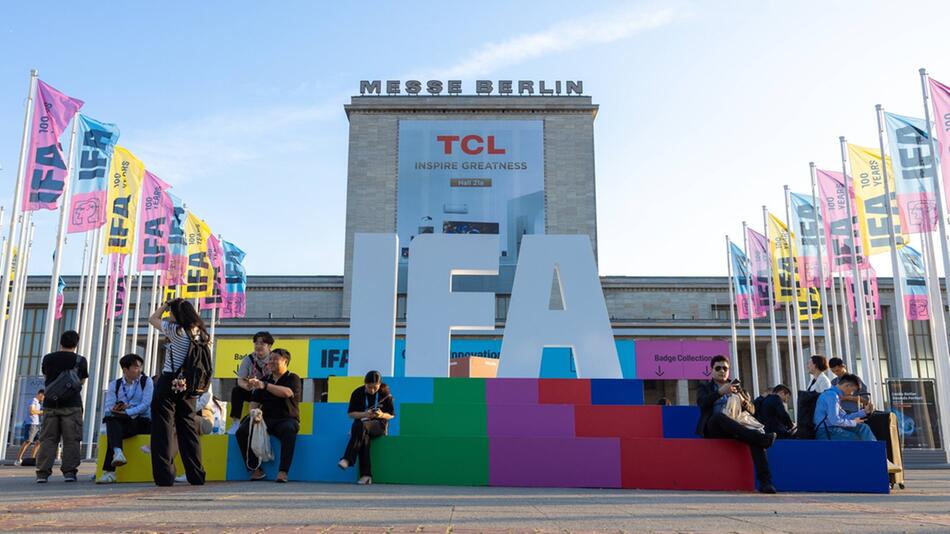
x=525 y=420
x=554 y=462
x=511 y=391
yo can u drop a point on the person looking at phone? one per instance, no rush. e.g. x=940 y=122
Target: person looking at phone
x=127 y=411
x=371 y=408
x=714 y=424
x=833 y=423
x=850 y=403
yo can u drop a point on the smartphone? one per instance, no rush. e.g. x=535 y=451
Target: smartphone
x=736 y=381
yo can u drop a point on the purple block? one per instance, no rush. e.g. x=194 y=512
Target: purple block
x=511 y=391
x=524 y=420
x=554 y=462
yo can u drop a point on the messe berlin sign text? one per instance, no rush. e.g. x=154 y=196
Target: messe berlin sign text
x=482 y=87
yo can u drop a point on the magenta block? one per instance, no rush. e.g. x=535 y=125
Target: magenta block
x=554 y=462
x=511 y=391
x=525 y=420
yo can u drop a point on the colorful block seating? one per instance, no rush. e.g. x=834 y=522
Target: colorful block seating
x=680 y=421
x=686 y=464
x=802 y=465
x=447 y=461
x=618 y=421
x=554 y=462
x=214 y=453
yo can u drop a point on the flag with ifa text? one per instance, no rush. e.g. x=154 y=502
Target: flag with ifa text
x=806 y=224
x=216 y=258
x=740 y=280
x=782 y=250
x=759 y=265
x=867 y=171
x=915 y=284
x=125 y=181
x=837 y=222
x=915 y=169
x=198 y=273
x=235 y=278
x=157 y=209
x=46 y=166
x=872 y=300
x=117 y=276
x=88 y=181
x=940 y=98
x=177 y=246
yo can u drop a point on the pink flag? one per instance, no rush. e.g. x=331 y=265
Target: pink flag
x=871 y=297
x=759 y=265
x=216 y=258
x=117 y=273
x=156 y=212
x=59 y=297
x=940 y=97
x=835 y=215
x=46 y=167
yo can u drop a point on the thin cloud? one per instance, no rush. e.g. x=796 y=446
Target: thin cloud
x=569 y=35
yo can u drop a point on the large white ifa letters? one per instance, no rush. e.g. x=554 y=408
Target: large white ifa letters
x=434 y=311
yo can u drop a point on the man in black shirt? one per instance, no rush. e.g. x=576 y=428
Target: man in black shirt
x=279 y=396
x=62 y=418
x=773 y=413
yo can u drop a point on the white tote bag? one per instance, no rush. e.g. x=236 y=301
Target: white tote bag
x=258 y=438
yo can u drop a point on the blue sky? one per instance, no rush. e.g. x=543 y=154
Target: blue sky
x=707 y=108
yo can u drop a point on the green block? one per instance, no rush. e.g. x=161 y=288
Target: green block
x=438 y=420
x=443 y=461
x=465 y=390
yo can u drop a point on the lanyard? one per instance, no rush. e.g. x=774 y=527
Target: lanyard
x=367 y=400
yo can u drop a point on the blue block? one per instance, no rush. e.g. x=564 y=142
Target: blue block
x=557 y=363
x=408 y=389
x=627 y=352
x=237 y=469
x=619 y=391
x=829 y=466
x=316 y=457
x=680 y=421
x=330 y=419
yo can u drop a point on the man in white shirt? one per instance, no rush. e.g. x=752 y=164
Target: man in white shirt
x=31 y=428
x=128 y=412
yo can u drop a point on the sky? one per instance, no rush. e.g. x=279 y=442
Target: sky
x=706 y=108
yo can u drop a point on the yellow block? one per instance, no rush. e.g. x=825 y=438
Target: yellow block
x=214 y=457
x=228 y=353
x=341 y=387
x=306 y=418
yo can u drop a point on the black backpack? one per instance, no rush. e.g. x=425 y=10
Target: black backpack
x=197 y=368
x=65 y=385
x=807 y=402
x=142 y=380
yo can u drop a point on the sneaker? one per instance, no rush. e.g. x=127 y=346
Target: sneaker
x=893 y=468
x=343 y=464
x=365 y=481
x=181 y=478
x=281 y=477
x=108 y=477
x=258 y=474
x=42 y=480
x=767 y=488
x=118 y=458
x=71 y=477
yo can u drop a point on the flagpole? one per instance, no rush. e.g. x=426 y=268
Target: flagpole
x=82 y=284
x=149 y=359
x=856 y=282
x=903 y=341
x=7 y=359
x=811 y=322
x=732 y=311
x=60 y=237
x=871 y=312
x=135 y=317
x=12 y=337
x=751 y=313
x=87 y=334
x=108 y=366
x=124 y=328
x=844 y=319
x=819 y=238
x=776 y=374
x=99 y=361
x=937 y=313
x=795 y=305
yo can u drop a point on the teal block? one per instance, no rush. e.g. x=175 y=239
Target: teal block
x=438 y=420
x=443 y=461
x=459 y=390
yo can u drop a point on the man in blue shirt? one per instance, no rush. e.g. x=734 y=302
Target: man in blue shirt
x=832 y=422
x=128 y=413
x=850 y=404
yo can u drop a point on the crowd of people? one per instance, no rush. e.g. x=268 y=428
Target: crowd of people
x=836 y=409
x=174 y=412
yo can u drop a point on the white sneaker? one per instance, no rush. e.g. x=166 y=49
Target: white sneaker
x=365 y=481
x=108 y=477
x=118 y=458
x=181 y=478
x=234 y=427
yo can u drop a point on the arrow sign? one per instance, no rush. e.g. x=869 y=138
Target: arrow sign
x=659 y=371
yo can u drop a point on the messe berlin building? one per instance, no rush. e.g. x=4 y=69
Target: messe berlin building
x=492 y=162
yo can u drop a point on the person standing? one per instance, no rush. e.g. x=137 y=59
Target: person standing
x=173 y=411
x=817 y=366
x=371 y=407
x=31 y=427
x=128 y=413
x=279 y=396
x=254 y=365
x=62 y=415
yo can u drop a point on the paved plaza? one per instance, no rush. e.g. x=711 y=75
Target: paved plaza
x=307 y=507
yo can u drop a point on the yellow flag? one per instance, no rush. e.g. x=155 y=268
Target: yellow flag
x=871 y=201
x=784 y=266
x=199 y=275
x=125 y=182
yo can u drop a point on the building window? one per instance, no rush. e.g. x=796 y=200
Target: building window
x=400 y=307
x=501 y=307
x=31 y=337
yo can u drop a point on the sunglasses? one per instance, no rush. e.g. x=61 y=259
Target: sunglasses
x=721 y=368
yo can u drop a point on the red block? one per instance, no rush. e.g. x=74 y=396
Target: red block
x=686 y=464
x=564 y=391
x=602 y=421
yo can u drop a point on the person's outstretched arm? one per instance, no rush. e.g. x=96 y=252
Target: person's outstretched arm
x=156 y=318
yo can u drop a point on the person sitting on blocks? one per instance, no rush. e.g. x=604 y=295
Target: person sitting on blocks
x=371 y=408
x=128 y=412
x=279 y=396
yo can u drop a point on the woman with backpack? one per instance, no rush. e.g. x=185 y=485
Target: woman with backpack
x=173 y=403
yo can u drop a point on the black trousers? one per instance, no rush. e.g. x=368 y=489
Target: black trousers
x=174 y=430
x=285 y=430
x=720 y=426
x=239 y=396
x=358 y=446
x=119 y=428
